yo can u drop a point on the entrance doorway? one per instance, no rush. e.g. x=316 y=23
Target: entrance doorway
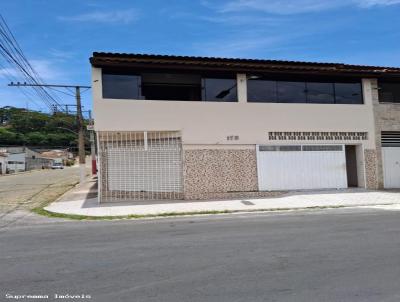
x=351 y=166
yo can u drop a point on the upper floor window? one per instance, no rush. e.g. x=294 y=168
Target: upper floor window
x=164 y=86
x=348 y=93
x=219 y=90
x=168 y=86
x=291 y=92
x=120 y=86
x=266 y=91
x=320 y=93
x=261 y=91
x=389 y=92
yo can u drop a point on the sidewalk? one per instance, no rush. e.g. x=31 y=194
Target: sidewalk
x=82 y=200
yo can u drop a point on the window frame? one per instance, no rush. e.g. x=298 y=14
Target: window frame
x=306 y=81
x=121 y=73
x=204 y=90
x=379 y=92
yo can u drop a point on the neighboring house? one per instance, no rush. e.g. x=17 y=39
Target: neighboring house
x=58 y=156
x=21 y=159
x=16 y=162
x=386 y=100
x=3 y=163
x=198 y=128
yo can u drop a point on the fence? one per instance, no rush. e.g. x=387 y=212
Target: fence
x=140 y=165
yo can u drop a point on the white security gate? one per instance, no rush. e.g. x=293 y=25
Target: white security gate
x=391 y=158
x=140 y=165
x=301 y=167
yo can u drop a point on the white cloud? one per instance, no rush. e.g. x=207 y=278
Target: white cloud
x=371 y=3
x=289 y=7
x=235 y=20
x=48 y=70
x=8 y=73
x=61 y=54
x=282 y=7
x=116 y=16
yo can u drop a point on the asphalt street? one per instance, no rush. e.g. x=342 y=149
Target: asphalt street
x=330 y=255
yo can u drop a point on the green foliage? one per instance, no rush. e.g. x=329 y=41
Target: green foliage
x=22 y=127
x=8 y=137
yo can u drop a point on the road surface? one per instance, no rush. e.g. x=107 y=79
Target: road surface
x=26 y=190
x=331 y=255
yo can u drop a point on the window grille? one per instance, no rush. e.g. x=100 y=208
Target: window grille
x=140 y=165
x=279 y=148
x=322 y=148
x=390 y=138
x=268 y=148
x=289 y=148
x=301 y=148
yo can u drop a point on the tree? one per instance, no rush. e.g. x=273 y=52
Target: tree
x=19 y=126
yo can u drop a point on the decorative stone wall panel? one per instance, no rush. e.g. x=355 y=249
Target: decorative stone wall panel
x=209 y=173
x=371 y=175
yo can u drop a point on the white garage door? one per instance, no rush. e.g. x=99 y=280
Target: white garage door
x=301 y=167
x=391 y=158
x=391 y=167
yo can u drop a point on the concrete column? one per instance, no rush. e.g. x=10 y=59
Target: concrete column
x=372 y=158
x=378 y=129
x=241 y=87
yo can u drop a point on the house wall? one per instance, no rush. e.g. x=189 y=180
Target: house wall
x=212 y=122
x=209 y=172
x=16 y=157
x=387 y=118
x=3 y=161
x=217 y=166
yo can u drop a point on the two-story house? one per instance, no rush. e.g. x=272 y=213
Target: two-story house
x=196 y=128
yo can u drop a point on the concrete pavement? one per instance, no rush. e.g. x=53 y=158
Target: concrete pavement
x=335 y=255
x=19 y=191
x=82 y=201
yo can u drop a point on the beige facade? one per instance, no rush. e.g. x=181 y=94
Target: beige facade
x=212 y=123
x=216 y=167
x=219 y=139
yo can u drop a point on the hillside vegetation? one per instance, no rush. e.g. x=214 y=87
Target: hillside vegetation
x=25 y=127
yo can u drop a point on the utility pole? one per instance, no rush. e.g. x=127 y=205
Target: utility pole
x=81 y=134
x=79 y=120
x=92 y=144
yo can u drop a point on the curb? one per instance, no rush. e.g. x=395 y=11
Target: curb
x=51 y=214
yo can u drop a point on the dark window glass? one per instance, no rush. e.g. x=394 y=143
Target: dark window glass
x=219 y=90
x=348 y=93
x=389 y=92
x=164 y=86
x=291 y=92
x=261 y=91
x=321 y=93
x=120 y=86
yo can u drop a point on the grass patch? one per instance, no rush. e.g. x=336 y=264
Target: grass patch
x=43 y=212
x=48 y=195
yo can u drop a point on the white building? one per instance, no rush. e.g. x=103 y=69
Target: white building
x=198 y=128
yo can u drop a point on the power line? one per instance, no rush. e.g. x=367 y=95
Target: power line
x=14 y=56
x=79 y=118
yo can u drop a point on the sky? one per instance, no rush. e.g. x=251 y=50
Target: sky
x=58 y=37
